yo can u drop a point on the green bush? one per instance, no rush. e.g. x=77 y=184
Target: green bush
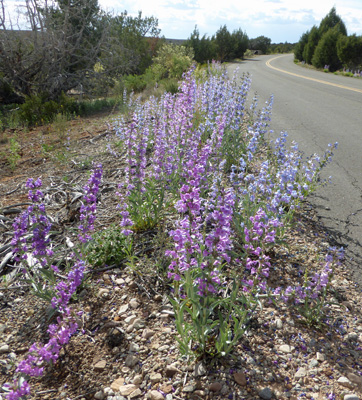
x=135 y=83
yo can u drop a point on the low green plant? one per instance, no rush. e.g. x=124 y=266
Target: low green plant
x=210 y=326
x=13 y=156
x=108 y=247
x=60 y=125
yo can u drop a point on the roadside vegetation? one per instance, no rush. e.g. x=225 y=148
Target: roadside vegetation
x=329 y=47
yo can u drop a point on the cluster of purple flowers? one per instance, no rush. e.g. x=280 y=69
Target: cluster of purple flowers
x=35 y=221
x=60 y=333
x=89 y=206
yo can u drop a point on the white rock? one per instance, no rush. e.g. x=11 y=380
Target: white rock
x=134 y=303
x=345 y=382
x=126 y=390
x=123 y=309
x=321 y=357
x=302 y=372
x=99 y=395
x=155 y=395
x=350 y=397
x=4 y=349
x=285 y=348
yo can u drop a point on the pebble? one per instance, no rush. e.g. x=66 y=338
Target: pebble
x=103 y=293
x=279 y=323
x=134 y=347
x=171 y=370
x=117 y=384
x=123 y=309
x=135 y=394
x=155 y=395
x=240 y=378
x=131 y=361
x=313 y=363
x=345 y=382
x=99 y=395
x=147 y=333
x=350 y=397
x=354 y=378
x=137 y=380
x=301 y=373
x=169 y=397
x=285 y=348
x=352 y=337
x=215 y=387
x=155 y=378
x=100 y=366
x=4 y=349
x=126 y=390
x=265 y=394
x=164 y=348
x=321 y=357
x=133 y=303
x=189 y=388
x=200 y=370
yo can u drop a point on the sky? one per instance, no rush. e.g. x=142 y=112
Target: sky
x=279 y=20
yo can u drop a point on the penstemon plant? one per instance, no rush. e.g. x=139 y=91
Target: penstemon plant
x=34 y=223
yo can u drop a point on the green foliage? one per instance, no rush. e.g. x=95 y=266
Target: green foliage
x=172 y=61
x=13 y=154
x=331 y=20
x=299 y=48
x=213 y=325
x=326 y=51
x=135 y=83
x=261 y=43
x=281 y=48
x=204 y=48
x=313 y=39
x=349 y=51
x=108 y=247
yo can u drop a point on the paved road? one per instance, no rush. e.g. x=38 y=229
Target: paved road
x=316 y=109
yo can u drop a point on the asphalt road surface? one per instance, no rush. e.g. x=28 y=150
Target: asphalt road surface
x=315 y=109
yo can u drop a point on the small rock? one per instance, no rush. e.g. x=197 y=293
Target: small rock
x=189 y=389
x=164 y=348
x=355 y=378
x=301 y=373
x=166 y=388
x=285 y=348
x=103 y=293
x=133 y=303
x=169 y=397
x=4 y=349
x=321 y=357
x=137 y=380
x=100 y=366
x=119 y=281
x=147 y=333
x=131 y=361
x=123 y=309
x=130 y=319
x=279 y=323
x=240 y=378
x=3 y=328
x=345 y=382
x=108 y=391
x=155 y=395
x=328 y=372
x=135 y=394
x=313 y=363
x=215 y=387
x=134 y=347
x=352 y=336
x=155 y=378
x=350 y=397
x=138 y=324
x=126 y=390
x=265 y=394
x=158 y=297
x=117 y=384
x=171 y=370
x=99 y=395
x=200 y=369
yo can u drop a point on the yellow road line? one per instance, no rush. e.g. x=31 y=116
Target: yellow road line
x=310 y=79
